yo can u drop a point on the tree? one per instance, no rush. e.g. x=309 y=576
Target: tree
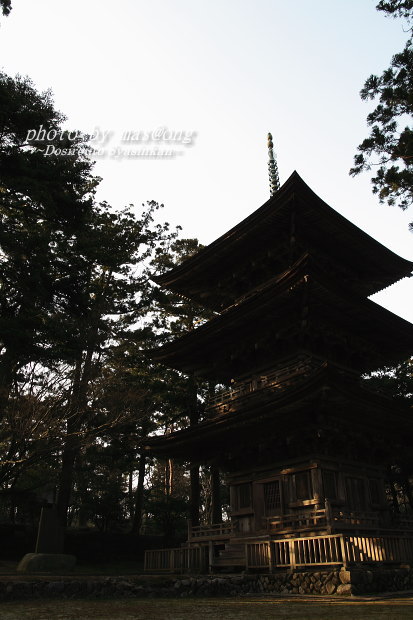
x=5 y=6
x=44 y=202
x=391 y=137
x=396 y=8
x=177 y=315
x=106 y=265
x=71 y=273
x=398 y=383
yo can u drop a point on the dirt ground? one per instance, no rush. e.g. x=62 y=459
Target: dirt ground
x=243 y=608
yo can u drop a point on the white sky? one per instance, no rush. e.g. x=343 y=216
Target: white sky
x=230 y=71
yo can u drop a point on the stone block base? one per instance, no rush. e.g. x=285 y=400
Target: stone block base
x=46 y=563
x=377 y=579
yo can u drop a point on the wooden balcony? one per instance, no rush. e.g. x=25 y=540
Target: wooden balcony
x=336 y=520
x=214 y=532
x=305 y=520
x=272 y=381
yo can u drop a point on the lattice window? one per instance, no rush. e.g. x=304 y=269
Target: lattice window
x=272 y=497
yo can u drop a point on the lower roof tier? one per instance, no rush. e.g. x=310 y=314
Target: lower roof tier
x=323 y=402
x=300 y=311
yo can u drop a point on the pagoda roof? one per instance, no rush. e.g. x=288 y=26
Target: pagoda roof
x=215 y=348
x=204 y=276
x=326 y=391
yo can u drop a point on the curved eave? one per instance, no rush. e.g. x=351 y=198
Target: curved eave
x=393 y=333
x=382 y=267
x=323 y=386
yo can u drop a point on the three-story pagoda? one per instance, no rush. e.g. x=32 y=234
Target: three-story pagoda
x=305 y=445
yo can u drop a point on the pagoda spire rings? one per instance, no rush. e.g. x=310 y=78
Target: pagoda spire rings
x=272 y=167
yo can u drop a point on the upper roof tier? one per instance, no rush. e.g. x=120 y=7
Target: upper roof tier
x=302 y=311
x=293 y=221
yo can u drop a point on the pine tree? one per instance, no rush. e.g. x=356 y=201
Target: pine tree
x=390 y=144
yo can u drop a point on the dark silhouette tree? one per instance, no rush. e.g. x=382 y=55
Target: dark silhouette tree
x=390 y=144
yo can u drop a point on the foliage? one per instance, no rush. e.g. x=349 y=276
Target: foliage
x=398 y=383
x=395 y=382
x=391 y=137
x=78 y=311
x=72 y=274
x=174 y=314
x=396 y=8
x=5 y=6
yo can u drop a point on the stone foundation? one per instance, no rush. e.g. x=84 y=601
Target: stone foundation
x=334 y=582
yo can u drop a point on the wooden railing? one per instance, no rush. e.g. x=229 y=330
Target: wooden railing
x=378 y=549
x=334 y=518
x=372 y=520
x=320 y=550
x=360 y=518
x=306 y=519
x=326 y=550
x=333 y=549
x=258 y=555
x=181 y=559
x=272 y=380
x=215 y=531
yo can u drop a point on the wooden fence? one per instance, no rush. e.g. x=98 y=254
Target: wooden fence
x=327 y=550
x=333 y=549
x=178 y=560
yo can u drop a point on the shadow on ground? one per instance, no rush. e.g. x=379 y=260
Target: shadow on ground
x=243 y=608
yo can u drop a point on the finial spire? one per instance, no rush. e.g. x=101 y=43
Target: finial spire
x=272 y=168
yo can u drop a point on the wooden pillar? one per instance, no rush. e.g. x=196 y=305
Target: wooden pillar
x=270 y=556
x=343 y=551
x=210 y=555
x=317 y=482
x=194 y=469
x=195 y=495
x=216 y=513
x=293 y=561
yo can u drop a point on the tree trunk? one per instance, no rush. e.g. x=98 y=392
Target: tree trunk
x=8 y=367
x=82 y=490
x=70 y=452
x=137 y=517
x=216 y=495
x=195 y=495
x=78 y=404
x=195 y=498
x=71 y=448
